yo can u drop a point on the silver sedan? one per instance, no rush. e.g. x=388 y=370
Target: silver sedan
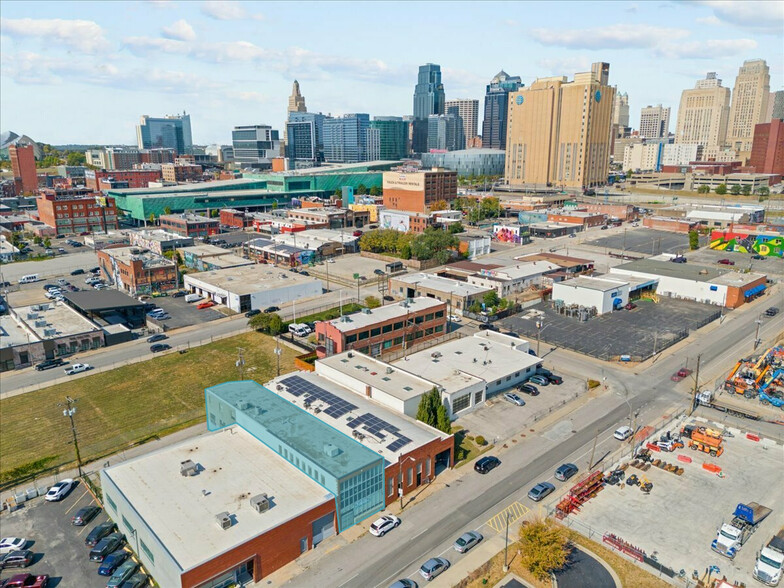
x=466 y=541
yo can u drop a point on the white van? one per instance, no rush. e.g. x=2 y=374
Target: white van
x=29 y=279
x=299 y=330
x=192 y=298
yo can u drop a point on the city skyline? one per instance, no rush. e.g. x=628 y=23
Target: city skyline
x=230 y=64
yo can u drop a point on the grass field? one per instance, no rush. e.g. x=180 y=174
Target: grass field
x=125 y=406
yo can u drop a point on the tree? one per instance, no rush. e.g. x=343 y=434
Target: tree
x=338 y=192
x=721 y=189
x=432 y=411
x=694 y=240
x=372 y=302
x=152 y=218
x=434 y=244
x=37 y=240
x=544 y=548
x=375 y=191
x=475 y=307
x=455 y=228
x=75 y=158
x=274 y=205
x=269 y=323
x=746 y=190
x=166 y=210
x=48 y=243
x=703 y=189
x=214 y=213
x=491 y=299
x=735 y=190
x=361 y=189
x=439 y=205
x=763 y=191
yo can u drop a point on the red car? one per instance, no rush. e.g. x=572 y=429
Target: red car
x=726 y=262
x=27 y=581
x=680 y=374
x=203 y=305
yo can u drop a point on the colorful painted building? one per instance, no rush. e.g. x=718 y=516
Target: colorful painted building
x=755 y=239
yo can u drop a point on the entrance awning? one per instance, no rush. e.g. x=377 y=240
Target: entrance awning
x=754 y=291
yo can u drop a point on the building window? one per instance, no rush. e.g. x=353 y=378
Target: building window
x=477 y=397
x=409 y=476
x=364 y=335
x=461 y=403
x=440 y=314
x=391 y=486
x=351 y=338
x=386 y=328
x=439 y=328
x=303 y=545
x=111 y=502
x=398 y=340
x=398 y=326
x=508 y=378
x=375 y=332
x=419 y=320
x=387 y=344
x=146 y=551
x=427 y=467
x=127 y=524
x=429 y=317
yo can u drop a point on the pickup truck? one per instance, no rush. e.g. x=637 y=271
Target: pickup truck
x=77 y=368
x=770 y=561
x=733 y=535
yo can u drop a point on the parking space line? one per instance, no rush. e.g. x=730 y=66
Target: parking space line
x=515 y=511
x=76 y=502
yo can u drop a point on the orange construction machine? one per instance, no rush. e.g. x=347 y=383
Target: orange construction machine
x=703 y=439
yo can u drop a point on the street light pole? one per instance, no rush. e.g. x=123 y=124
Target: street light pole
x=756 y=332
x=278 y=352
x=506 y=546
x=69 y=411
x=400 y=476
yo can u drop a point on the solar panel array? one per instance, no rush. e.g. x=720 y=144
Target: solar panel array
x=337 y=407
x=374 y=425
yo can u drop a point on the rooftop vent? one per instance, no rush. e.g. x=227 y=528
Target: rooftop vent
x=244 y=405
x=366 y=311
x=331 y=450
x=404 y=303
x=32 y=315
x=389 y=370
x=224 y=520
x=350 y=354
x=260 y=503
x=50 y=332
x=188 y=468
x=39 y=322
x=435 y=354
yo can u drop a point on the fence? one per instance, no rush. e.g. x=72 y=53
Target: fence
x=392 y=356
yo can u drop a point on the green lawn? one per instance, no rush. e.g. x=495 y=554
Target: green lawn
x=125 y=406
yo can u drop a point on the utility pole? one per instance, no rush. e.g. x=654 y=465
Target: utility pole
x=696 y=386
x=506 y=545
x=70 y=411
x=240 y=363
x=278 y=352
x=590 y=463
x=756 y=332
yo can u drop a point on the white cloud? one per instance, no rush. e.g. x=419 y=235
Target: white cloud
x=145 y=45
x=612 y=37
x=709 y=20
x=765 y=16
x=560 y=66
x=228 y=10
x=82 y=35
x=710 y=49
x=180 y=30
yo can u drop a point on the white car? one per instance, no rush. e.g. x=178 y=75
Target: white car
x=77 y=368
x=59 y=490
x=9 y=544
x=623 y=433
x=454 y=318
x=384 y=524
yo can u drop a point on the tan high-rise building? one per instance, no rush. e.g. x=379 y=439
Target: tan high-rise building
x=621 y=110
x=558 y=132
x=749 y=105
x=654 y=122
x=296 y=100
x=468 y=109
x=703 y=113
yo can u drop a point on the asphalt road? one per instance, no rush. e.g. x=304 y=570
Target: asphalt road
x=583 y=571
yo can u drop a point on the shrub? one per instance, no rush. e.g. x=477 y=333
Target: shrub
x=544 y=548
x=593 y=384
x=480 y=440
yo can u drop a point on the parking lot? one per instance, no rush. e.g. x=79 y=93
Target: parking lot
x=183 y=314
x=343 y=268
x=678 y=520
x=645 y=241
x=58 y=545
x=771 y=266
x=641 y=332
x=499 y=419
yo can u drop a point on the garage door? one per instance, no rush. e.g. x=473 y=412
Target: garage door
x=323 y=528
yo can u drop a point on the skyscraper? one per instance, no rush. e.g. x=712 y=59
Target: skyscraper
x=255 y=145
x=621 y=110
x=496 y=106
x=468 y=110
x=387 y=138
x=654 y=122
x=445 y=132
x=345 y=138
x=171 y=132
x=778 y=105
x=304 y=139
x=749 y=104
x=703 y=113
x=296 y=100
x=559 y=131
x=23 y=166
x=428 y=99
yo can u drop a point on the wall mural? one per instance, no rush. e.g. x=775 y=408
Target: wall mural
x=748 y=243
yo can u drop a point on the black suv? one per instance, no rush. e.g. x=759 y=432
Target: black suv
x=106 y=545
x=529 y=389
x=99 y=532
x=772 y=311
x=486 y=464
x=49 y=364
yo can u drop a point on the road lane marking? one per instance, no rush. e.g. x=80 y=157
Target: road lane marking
x=515 y=511
x=76 y=502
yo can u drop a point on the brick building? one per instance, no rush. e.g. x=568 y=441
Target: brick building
x=238 y=219
x=416 y=191
x=76 y=210
x=181 y=172
x=377 y=331
x=190 y=225
x=767 y=150
x=137 y=271
x=136 y=178
x=586 y=219
x=23 y=167
x=329 y=217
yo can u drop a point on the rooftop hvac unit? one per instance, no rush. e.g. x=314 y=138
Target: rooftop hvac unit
x=188 y=468
x=435 y=354
x=243 y=405
x=40 y=323
x=32 y=315
x=350 y=354
x=224 y=520
x=404 y=303
x=260 y=503
x=50 y=332
x=331 y=450
x=389 y=370
x=366 y=311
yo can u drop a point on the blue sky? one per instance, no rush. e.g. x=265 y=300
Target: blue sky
x=83 y=72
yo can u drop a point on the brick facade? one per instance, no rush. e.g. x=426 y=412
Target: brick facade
x=190 y=225
x=76 y=211
x=767 y=150
x=23 y=166
x=415 y=470
x=136 y=178
x=426 y=188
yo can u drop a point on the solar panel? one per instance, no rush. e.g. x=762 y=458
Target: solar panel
x=337 y=407
x=376 y=426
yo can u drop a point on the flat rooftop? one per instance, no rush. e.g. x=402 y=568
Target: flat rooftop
x=222 y=185
x=684 y=271
x=487 y=356
x=448 y=285
x=13 y=334
x=368 y=317
x=234 y=467
x=394 y=381
x=161 y=235
x=519 y=271
x=98 y=300
x=228 y=260
x=249 y=279
x=592 y=283
x=128 y=254
x=562 y=260
x=55 y=319
x=737 y=279
x=397 y=431
x=554 y=225
x=204 y=250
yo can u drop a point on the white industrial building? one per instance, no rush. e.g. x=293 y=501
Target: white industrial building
x=604 y=293
x=513 y=279
x=252 y=287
